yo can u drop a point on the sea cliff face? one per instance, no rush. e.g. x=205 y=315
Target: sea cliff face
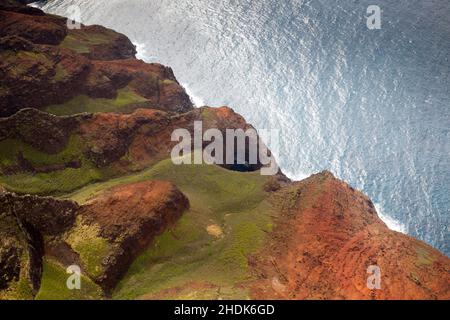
x=86 y=179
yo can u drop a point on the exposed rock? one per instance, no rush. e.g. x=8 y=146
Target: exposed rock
x=100 y=43
x=16 y=267
x=24 y=220
x=33 y=25
x=19 y=6
x=144 y=135
x=43 y=63
x=22 y=244
x=42 y=76
x=109 y=136
x=130 y=216
x=41 y=130
x=46 y=215
x=328 y=236
x=16 y=43
x=154 y=82
x=25 y=1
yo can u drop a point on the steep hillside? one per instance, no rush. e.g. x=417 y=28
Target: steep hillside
x=326 y=238
x=66 y=71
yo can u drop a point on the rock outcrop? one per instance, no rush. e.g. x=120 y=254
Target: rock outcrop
x=124 y=220
x=41 y=130
x=31 y=24
x=127 y=141
x=329 y=240
x=43 y=63
x=129 y=217
x=20 y=270
x=24 y=221
x=45 y=215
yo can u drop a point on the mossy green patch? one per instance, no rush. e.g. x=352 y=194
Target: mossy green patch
x=86 y=241
x=54 y=284
x=12 y=236
x=72 y=42
x=125 y=102
x=26 y=61
x=10 y=148
x=80 y=41
x=56 y=182
x=61 y=73
x=424 y=257
x=20 y=290
x=208 y=116
x=167 y=81
x=205 y=180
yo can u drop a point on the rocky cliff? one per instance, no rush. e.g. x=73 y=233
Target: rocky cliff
x=327 y=239
x=86 y=179
x=45 y=64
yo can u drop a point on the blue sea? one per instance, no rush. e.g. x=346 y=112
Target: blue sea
x=372 y=106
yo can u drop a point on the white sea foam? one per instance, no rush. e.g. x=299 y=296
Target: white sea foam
x=141 y=52
x=196 y=100
x=296 y=176
x=391 y=223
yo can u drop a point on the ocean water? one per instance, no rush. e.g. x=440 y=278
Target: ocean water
x=372 y=106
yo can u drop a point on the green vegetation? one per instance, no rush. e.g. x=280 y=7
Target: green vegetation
x=53 y=284
x=24 y=61
x=19 y=290
x=60 y=181
x=125 y=102
x=423 y=256
x=167 y=81
x=240 y=188
x=10 y=148
x=61 y=74
x=188 y=261
x=235 y=201
x=80 y=41
x=55 y=182
x=72 y=42
x=92 y=248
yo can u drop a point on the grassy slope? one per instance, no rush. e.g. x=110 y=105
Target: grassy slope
x=9 y=149
x=81 y=41
x=60 y=181
x=188 y=254
x=125 y=102
x=232 y=204
x=53 y=284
